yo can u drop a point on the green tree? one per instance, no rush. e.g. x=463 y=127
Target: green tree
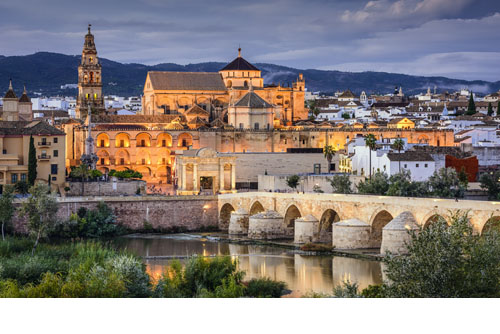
x=293 y=181
x=400 y=184
x=377 y=185
x=471 y=108
x=444 y=183
x=463 y=178
x=446 y=261
x=491 y=182
x=22 y=187
x=341 y=184
x=32 y=163
x=490 y=109
x=82 y=172
x=398 y=145
x=329 y=153
x=346 y=115
x=41 y=209
x=6 y=207
x=371 y=143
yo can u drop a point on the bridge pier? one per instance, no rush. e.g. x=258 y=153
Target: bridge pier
x=351 y=234
x=238 y=223
x=306 y=229
x=266 y=225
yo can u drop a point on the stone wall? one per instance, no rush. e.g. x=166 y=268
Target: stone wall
x=184 y=212
x=278 y=183
x=112 y=188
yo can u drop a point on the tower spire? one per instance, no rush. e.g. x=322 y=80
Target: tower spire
x=239 y=52
x=90 y=25
x=10 y=84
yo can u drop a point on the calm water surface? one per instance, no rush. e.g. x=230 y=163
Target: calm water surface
x=302 y=273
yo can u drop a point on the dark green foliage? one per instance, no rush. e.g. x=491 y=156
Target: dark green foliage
x=6 y=208
x=498 y=108
x=32 y=162
x=491 y=182
x=490 y=109
x=346 y=290
x=378 y=184
x=97 y=223
x=346 y=115
x=125 y=174
x=293 y=181
x=265 y=288
x=22 y=187
x=400 y=184
x=444 y=183
x=446 y=261
x=341 y=184
x=373 y=291
x=463 y=178
x=471 y=107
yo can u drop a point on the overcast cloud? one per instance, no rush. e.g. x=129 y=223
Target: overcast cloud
x=454 y=38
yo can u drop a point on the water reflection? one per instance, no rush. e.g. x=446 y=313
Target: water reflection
x=302 y=273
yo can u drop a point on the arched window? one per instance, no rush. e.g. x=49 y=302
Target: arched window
x=91 y=60
x=245 y=84
x=91 y=77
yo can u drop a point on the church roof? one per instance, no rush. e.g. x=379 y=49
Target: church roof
x=347 y=94
x=28 y=128
x=252 y=100
x=24 y=97
x=196 y=110
x=10 y=93
x=134 y=118
x=187 y=81
x=217 y=123
x=240 y=64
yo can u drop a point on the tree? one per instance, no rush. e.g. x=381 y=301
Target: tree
x=446 y=261
x=400 y=184
x=463 y=177
x=398 y=145
x=371 y=143
x=491 y=182
x=82 y=172
x=377 y=185
x=41 y=209
x=341 y=184
x=32 y=163
x=490 y=109
x=293 y=181
x=471 y=108
x=444 y=183
x=329 y=153
x=22 y=187
x=346 y=115
x=6 y=207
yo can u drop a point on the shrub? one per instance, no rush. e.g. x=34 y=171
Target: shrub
x=341 y=184
x=265 y=288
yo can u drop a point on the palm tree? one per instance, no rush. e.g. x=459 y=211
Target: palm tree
x=371 y=142
x=329 y=152
x=398 y=144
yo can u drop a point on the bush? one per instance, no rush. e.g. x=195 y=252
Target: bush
x=265 y=288
x=125 y=174
x=341 y=184
x=22 y=187
x=377 y=185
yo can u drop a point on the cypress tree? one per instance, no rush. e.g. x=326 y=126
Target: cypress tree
x=490 y=109
x=471 y=109
x=32 y=162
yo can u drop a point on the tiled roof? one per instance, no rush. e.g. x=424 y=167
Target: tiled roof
x=252 y=100
x=409 y=156
x=347 y=94
x=10 y=95
x=187 y=81
x=240 y=64
x=135 y=118
x=28 y=128
x=196 y=110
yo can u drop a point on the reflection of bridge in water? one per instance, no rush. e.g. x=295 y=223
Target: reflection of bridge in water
x=361 y=216
x=302 y=273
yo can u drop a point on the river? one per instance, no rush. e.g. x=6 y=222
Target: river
x=302 y=273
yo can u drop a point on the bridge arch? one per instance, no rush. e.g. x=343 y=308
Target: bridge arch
x=328 y=218
x=225 y=216
x=432 y=218
x=291 y=213
x=491 y=225
x=256 y=208
x=378 y=222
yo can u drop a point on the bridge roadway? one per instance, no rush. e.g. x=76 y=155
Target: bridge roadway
x=376 y=211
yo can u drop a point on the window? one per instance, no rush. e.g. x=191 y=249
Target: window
x=122 y=161
x=53 y=169
x=122 y=143
x=102 y=161
x=417 y=165
x=54 y=178
x=163 y=161
x=56 y=153
x=332 y=167
x=44 y=153
x=426 y=165
x=241 y=125
x=102 y=143
x=55 y=140
x=23 y=177
x=256 y=126
x=44 y=141
x=406 y=166
x=163 y=142
x=143 y=143
x=4 y=151
x=143 y=161
x=14 y=178
x=184 y=143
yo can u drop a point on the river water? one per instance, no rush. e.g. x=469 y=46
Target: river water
x=302 y=273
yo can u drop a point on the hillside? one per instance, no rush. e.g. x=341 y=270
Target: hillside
x=45 y=72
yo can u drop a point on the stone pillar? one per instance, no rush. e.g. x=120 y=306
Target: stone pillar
x=221 y=176
x=233 y=177
x=196 y=186
x=183 y=176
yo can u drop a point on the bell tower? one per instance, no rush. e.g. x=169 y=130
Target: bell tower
x=89 y=80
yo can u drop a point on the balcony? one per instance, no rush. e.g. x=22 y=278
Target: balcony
x=43 y=157
x=44 y=143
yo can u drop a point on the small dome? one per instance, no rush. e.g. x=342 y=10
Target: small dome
x=404 y=221
x=271 y=214
x=351 y=222
x=307 y=219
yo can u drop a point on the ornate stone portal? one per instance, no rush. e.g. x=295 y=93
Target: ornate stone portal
x=204 y=170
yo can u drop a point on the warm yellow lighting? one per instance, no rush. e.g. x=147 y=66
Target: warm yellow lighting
x=206 y=206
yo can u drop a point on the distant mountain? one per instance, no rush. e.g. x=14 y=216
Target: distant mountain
x=46 y=72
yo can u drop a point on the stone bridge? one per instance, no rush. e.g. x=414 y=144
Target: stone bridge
x=355 y=221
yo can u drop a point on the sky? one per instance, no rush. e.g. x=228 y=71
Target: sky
x=453 y=38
